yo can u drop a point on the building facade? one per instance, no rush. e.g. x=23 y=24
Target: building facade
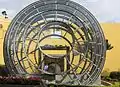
x=111 y=31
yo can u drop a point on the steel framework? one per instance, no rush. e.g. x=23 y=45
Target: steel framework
x=64 y=23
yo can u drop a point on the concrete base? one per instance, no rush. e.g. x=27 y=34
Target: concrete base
x=67 y=81
x=97 y=82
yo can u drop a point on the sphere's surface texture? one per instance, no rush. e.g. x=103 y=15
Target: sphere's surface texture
x=59 y=38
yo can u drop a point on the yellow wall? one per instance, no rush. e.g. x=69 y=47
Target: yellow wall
x=111 y=31
x=5 y=23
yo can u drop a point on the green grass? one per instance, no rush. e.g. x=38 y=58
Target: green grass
x=116 y=84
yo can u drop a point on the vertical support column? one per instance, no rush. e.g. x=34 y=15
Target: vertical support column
x=68 y=57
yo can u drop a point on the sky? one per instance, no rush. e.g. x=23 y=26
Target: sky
x=103 y=10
